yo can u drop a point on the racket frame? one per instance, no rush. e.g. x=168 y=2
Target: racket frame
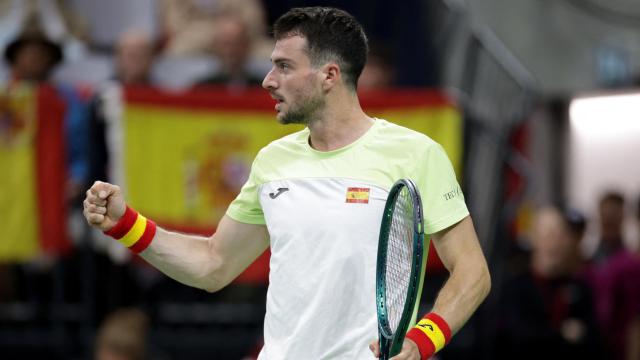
x=391 y=343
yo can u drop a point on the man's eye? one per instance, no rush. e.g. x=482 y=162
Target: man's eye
x=284 y=66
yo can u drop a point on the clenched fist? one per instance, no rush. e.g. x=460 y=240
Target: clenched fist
x=104 y=205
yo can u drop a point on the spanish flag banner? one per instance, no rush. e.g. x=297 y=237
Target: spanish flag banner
x=32 y=208
x=186 y=156
x=18 y=223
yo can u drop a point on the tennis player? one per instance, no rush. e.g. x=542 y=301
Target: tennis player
x=316 y=198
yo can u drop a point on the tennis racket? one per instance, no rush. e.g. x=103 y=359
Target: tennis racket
x=400 y=266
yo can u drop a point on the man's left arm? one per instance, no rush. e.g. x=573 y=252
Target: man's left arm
x=469 y=281
x=468 y=284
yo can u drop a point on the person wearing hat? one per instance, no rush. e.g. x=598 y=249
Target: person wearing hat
x=32 y=57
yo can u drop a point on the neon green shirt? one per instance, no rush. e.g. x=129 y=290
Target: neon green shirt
x=323 y=213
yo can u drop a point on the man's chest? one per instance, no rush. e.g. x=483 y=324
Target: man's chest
x=320 y=208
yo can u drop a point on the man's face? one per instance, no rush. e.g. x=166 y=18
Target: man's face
x=552 y=244
x=293 y=82
x=32 y=63
x=611 y=219
x=134 y=57
x=231 y=44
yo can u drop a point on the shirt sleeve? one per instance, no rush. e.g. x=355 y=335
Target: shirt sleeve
x=246 y=206
x=442 y=198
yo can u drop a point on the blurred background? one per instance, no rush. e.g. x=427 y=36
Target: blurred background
x=537 y=103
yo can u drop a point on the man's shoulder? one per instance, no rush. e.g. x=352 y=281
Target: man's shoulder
x=401 y=136
x=292 y=143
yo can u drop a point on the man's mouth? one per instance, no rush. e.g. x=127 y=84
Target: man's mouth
x=279 y=101
x=277 y=98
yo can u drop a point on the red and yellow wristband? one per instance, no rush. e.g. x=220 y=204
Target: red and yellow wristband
x=431 y=334
x=133 y=231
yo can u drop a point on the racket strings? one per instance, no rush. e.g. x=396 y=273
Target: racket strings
x=399 y=257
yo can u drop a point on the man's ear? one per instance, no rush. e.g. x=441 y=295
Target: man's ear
x=332 y=75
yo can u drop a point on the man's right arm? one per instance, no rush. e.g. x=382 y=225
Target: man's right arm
x=208 y=263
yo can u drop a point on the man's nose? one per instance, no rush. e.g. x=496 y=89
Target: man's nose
x=269 y=82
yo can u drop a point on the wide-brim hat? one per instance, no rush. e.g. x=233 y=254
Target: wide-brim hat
x=54 y=50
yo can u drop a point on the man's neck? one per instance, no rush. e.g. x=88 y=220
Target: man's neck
x=341 y=123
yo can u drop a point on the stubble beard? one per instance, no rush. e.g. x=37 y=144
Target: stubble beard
x=305 y=112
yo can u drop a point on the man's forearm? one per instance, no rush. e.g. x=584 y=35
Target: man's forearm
x=208 y=263
x=467 y=286
x=188 y=259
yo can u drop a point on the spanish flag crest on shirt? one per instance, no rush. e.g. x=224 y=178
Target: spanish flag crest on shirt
x=358 y=195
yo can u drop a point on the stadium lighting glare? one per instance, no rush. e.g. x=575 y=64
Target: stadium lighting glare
x=606 y=114
x=603 y=148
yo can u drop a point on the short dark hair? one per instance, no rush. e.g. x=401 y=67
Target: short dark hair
x=613 y=197
x=576 y=221
x=332 y=34
x=53 y=49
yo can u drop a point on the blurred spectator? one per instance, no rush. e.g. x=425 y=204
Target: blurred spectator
x=555 y=246
x=548 y=310
x=577 y=225
x=614 y=275
x=123 y=336
x=378 y=73
x=189 y=25
x=611 y=212
x=134 y=57
x=118 y=275
x=51 y=18
x=633 y=340
x=633 y=334
x=637 y=220
x=231 y=45
x=32 y=57
x=76 y=140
